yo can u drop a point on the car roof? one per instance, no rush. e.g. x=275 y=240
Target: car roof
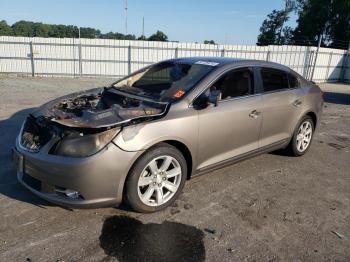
x=221 y=61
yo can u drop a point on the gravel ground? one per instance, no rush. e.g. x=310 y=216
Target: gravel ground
x=269 y=208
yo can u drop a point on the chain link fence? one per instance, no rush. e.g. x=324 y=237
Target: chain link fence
x=116 y=58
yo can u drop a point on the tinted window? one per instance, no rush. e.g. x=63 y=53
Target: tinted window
x=235 y=83
x=293 y=81
x=274 y=79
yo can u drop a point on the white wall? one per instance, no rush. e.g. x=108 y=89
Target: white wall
x=110 y=58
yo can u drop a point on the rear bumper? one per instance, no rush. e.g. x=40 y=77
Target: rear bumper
x=98 y=179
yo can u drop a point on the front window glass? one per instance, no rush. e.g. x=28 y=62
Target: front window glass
x=165 y=82
x=235 y=83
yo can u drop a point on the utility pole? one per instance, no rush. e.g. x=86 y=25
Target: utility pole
x=318 y=48
x=287 y=9
x=143 y=26
x=126 y=16
x=79 y=31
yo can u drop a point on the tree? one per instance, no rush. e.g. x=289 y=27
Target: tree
x=129 y=37
x=142 y=37
x=23 y=28
x=329 y=18
x=41 y=30
x=31 y=29
x=158 y=36
x=313 y=21
x=5 y=29
x=271 y=31
x=339 y=31
x=88 y=32
x=211 y=42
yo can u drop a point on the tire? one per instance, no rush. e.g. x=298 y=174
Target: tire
x=294 y=146
x=148 y=188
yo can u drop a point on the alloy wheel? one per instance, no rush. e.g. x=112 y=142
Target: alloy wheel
x=304 y=136
x=159 y=180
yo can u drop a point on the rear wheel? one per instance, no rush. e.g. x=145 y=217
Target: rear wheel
x=156 y=180
x=302 y=137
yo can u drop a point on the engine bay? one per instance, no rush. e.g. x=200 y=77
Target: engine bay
x=84 y=113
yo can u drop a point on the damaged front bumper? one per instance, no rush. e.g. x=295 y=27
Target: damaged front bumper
x=65 y=153
x=88 y=182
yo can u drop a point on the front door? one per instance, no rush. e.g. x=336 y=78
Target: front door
x=232 y=127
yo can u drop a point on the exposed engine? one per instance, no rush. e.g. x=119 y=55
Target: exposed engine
x=85 y=113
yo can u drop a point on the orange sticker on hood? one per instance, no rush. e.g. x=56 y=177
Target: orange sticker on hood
x=179 y=93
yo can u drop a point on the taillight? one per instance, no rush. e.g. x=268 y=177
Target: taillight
x=322 y=95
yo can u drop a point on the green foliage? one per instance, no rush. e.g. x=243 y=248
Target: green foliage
x=211 y=42
x=142 y=37
x=329 y=18
x=313 y=19
x=5 y=29
x=158 y=36
x=340 y=23
x=23 y=28
x=32 y=29
x=271 y=31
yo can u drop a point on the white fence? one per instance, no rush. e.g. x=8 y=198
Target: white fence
x=116 y=58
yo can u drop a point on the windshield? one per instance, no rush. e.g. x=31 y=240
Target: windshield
x=166 y=81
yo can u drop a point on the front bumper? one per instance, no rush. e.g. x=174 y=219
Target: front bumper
x=99 y=179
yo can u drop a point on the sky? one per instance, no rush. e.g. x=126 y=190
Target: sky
x=224 y=21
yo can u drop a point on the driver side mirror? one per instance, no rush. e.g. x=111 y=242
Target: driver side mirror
x=214 y=97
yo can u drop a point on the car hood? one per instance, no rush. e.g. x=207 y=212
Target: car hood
x=100 y=108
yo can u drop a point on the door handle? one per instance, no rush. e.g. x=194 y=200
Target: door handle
x=254 y=114
x=297 y=103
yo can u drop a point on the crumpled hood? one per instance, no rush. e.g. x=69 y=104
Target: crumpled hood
x=98 y=108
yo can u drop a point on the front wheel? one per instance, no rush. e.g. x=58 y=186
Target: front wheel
x=156 y=179
x=302 y=137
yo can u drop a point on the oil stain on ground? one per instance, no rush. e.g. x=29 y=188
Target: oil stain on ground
x=128 y=239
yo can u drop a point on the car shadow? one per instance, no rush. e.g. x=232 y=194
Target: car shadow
x=9 y=186
x=128 y=239
x=337 y=98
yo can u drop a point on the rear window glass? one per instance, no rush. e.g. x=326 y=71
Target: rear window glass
x=293 y=81
x=274 y=79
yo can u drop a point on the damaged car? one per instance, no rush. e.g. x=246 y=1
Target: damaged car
x=141 y=138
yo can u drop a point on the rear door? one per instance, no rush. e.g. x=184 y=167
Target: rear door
x=282 y=101
x=232 y=127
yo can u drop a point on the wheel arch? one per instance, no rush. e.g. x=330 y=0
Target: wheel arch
x=313 y=117
x=179 y=145
x=185 y=151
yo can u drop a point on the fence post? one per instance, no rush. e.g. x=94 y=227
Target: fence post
x=310 y=65
x=223 y=52
x=80 y=59
x=306 y=61
x=328 y=66
x=176 y=55
x=344 y=64
x=268 y=55
x=32 y=58
x=318 y=48
x=129 y=59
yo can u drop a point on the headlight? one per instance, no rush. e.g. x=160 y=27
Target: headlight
x=85 y=145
